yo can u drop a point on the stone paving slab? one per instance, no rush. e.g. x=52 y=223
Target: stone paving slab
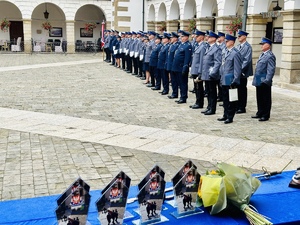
x=64 y=116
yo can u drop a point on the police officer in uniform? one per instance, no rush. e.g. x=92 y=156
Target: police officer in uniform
x=169 y=63
x=222 y=46
x=247 y=70
x=196 y=69
x=161 y=65
x=210 y=72
x=262 y=80
x=182 y=59
x=230 y=72
x=148 y=52
x=155 y=77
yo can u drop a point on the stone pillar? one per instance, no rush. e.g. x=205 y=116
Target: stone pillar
x=157 y=26
x=290 y=60
x=150 y=25
x=184 y=24
x=70 y=28
x=204 y=24
x=256 y=27
x=172 y=26
x=27 y=35
x=223 y=23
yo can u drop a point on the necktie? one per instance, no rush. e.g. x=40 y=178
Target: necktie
x=261 y=55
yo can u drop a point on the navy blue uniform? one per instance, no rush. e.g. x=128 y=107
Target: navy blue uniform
x=180 y=66
x=161 y=67
x=169 y=63
x=153 y=64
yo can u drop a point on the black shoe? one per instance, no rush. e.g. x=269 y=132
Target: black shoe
x=240 y=111
x=196 y=106
x=263 y=119
x=108 y=61
x=228 y=121
x=193 y=91
x=172 y=97
x=134 y=74
x=205 y=111
x=155 y=89
x=150 y=85
x=222 y=119
x=219 y=100
x=255 y=117
x=164 y=93
x=209 y=112
x=181 y=101
x=143 y=78
x=221 y=104
x=128 y=71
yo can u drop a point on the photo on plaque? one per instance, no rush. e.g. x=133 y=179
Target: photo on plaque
x=121 y=177
x=295 y=182
x=182 y=171
x=150 y=199
x=74 y=209
x=78 y=184
x=111 y=205
x=186 y=191
x=155 y=170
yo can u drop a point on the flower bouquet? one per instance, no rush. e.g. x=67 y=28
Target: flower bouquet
x=4 y=25
x=234 y=25
x=192 y=25
x=230 y=185
x=90 y=26
x=47 y=25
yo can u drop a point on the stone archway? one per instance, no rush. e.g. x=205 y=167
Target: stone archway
x=56 y=18
x=151 y=14
x=162 y=12
x=12 y=13
x=174 y=11
x=189 y=11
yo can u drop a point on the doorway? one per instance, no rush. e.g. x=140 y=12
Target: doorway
x=15 y=31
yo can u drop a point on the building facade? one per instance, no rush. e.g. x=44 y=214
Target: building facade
x=264 y=18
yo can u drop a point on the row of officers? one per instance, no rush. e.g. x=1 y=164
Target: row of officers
x=212 y=59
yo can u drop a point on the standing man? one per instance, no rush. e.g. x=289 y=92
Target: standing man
x=174 y=80
x=247 y=70
x=106 y=46
x=150 y=46
x=262 y=80
x=182 y=59
x=122 y=49
x=210 y=72
x=196 y=69
x=230 y=72
x=153 y=64
x=162 y=75
x=222 y=46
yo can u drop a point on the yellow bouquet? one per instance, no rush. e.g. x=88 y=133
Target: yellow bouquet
x=230 y=184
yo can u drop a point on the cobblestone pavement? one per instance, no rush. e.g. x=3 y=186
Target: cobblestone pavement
x=83 y=86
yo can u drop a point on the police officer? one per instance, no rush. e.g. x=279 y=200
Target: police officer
x=174 y=79
x=210 y=71
x=153 y=64
x=181 y=62
x=136 y=40
x=111 y=46
x=149 y=49
x=161 y=65
x=122 y=49
x=230 y=72
x=196 y=69
x=247 y=70
x=222 y=46
x=106 y=46
x=262 y=80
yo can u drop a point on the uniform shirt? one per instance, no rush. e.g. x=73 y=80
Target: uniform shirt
x=182 y=58
x=246 y=52
x=173 y=47
x=149 y=47
x=265 y=69
x=162 y=56
x=197 y=61
x=231 y=67
x=211 y=63
x=154 y=55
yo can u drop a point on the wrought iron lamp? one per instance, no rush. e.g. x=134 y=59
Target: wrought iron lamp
x=277 y=7
x=46 y=14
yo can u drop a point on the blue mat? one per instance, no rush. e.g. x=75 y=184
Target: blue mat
x=274 y=199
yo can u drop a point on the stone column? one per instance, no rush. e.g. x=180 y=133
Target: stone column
x=223 y=23
x=70 y=28
x=172 y=25
x=27 y=35
x=290 y=58
x=184 y=24
x=204 y=24
x=157 y=25
x=150 y=25
x=256 y=27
